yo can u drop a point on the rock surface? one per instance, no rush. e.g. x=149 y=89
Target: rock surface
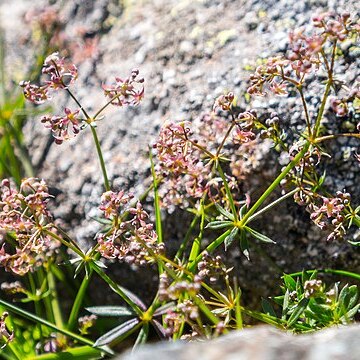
x=189 y=53
x=260 y=343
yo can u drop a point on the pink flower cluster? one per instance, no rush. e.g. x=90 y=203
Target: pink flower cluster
x=129 y=91
x=180 y=163
x=224 y=102
x=23 y=219
x=133 y=241
x=185 y=152
x=335 y=26
x=60 y=77
x=330 y=214
x=63 y=127
x=304 y=56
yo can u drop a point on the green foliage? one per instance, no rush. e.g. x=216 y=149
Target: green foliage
x=307 y=304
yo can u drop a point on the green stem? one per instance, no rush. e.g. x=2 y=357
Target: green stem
x=46 y=323
x=330 y=271
x=158 y=224
x=54 y=300
x=228 y=192
x=36 y=303
x=195 y=249
x=96 y=139
x=105 y=106
x=117 y=289
x=74 y=313
x=268 y=207
x=187 y=237
x=226 y=136
x=331 y=137
x=274 y=185
x=206 y=311
x=78 y=353
x=210 y=248
x=315 y=132
x=101 y=158
x=68 y=244
x=305 y=109
x=46 y=300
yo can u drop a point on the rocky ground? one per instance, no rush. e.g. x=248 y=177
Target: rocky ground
x=189 y=53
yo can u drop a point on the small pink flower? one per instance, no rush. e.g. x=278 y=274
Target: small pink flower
x=63 y=128
x=35 y=94
x=224 y=102
x=242 y=136
x=127 y=91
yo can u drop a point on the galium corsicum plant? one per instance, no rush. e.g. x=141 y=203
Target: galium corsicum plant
x=195 y=167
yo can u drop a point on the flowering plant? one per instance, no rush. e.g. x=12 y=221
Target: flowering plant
x=197 y=166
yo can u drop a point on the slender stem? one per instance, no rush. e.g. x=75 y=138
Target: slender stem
x=228 y=192
x=66 y=243
x=308 y=124
x=206 y=311
x=46 y=300
x=195 y=249
x=198 y=146
x=96 y=140
x=46 y=323
x=268 y=207
x=226 y=136
x=105 y=106
x=116 y=288
x=36 y=303
x=315 y=132
x=187 y=237
x=331 y=137
x=101 y=158
x=56 y=310
x=274 y=184
x=78 y=104
x=210 y=248
x=78 y=301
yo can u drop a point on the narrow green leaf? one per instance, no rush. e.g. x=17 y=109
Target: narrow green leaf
x=164 y=308
x=157 y=207
x=243 y=211
x=110 y=310
x=344 y=298
x=100 y=264
x=46 y=323
x=224 y=212
x=231 y=237
x=313 y=275
x=290 y=283
x=142 y=337
x=219 y=224
x=297 y=312
x=78 y=353
x=244 y=244
x=259 y=236
x=350 y=314
x=322 y=178
x=353 y=295
x=267 y=307
x=355 y=243
x=285 y=304
x=123 y=329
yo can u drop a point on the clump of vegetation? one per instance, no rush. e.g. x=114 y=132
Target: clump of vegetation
x=193 y=167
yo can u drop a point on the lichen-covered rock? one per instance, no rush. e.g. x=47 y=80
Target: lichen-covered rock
x=260 y=343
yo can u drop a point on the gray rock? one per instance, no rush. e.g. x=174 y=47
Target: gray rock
x=260 y=343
